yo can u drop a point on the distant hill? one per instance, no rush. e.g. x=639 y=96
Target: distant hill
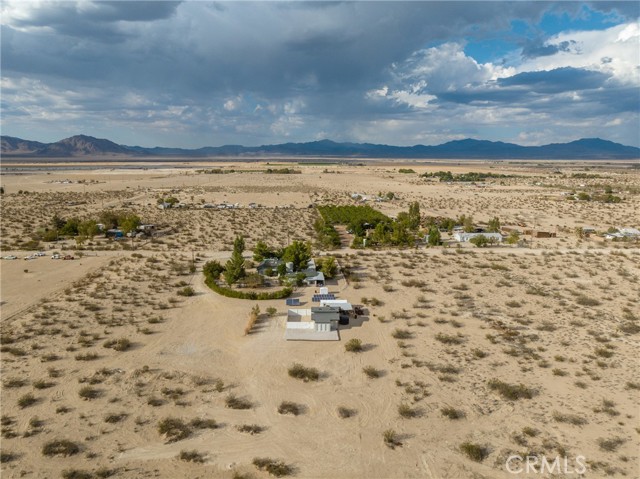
x=82 y=146
x=10 y=144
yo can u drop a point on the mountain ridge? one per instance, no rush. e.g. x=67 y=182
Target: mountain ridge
x=83 y=146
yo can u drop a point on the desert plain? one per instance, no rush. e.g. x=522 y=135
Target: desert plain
x=470 y=356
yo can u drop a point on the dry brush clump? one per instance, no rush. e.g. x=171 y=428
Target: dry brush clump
x=272 y=466
x=371 y=372
x=234 y=402
x=60 y=447
x=174 y=429
x=354 y=345
x=391 y=439
x=452 y=413
x=250 y=428
x=288 y=407
x=191 y=456
x=511 y=391
x=475 y=452
x=253 y=319
x=307 y=374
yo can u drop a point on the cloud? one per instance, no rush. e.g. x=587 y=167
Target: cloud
x=539 y=48
x=240 y=72
x=556 y=81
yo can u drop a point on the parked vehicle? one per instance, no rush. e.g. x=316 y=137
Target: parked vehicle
x=55 y=256
x=10 y=257
x=67 y=257
x=30 y=257
x=40 y=253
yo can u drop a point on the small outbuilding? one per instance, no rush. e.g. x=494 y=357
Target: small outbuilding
x=325 y=318
x=462 y=237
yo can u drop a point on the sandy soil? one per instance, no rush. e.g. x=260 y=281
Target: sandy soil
x=560 y=319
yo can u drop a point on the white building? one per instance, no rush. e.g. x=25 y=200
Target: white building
x=463 y=237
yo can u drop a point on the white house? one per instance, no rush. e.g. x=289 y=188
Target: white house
x=463 y=237
x=630 y=232
x=319 y=323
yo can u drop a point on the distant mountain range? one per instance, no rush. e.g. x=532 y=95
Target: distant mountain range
x=82 y=146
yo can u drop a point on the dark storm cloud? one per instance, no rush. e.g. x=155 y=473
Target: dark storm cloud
x=62 y=16
x=563 y=92
x=538 y=48
x=263 y=47
x=261 y=68
x=557 y=80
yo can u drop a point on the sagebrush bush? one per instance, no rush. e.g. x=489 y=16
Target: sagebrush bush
x=287 y=407
x=60 y=447
x=272 y=466
x=511 y=391
x=298 y=371
x=475 y=452
x=234 y=402
x=174 y=429
x=353 y=346
x=191 y=456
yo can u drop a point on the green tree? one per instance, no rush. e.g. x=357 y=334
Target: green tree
x=171 y=200
x=494 y=225
x=282 y=269
x=329 y=267
x=88 y=229
x=414 y=215
x=467 y=224
x=513 y=237
x=70 y=228
x=129 y=223
x=380 y=234
x=298 y=253
x=434 y=236
x=57 y=222
x=234 y=269
x=110 y=219
x=262 y=251
x=400 y=234
x=213 y=269
x=579 y=232
x=238 y=244
x=582 y=196
x=479 y=241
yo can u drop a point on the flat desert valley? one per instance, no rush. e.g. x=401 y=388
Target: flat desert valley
x=464 y=362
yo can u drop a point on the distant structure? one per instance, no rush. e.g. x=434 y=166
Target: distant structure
x=462 y=237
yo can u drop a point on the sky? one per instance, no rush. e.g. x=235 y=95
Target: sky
x=199 y=73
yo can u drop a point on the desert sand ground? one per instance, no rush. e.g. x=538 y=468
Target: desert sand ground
x=560 y=318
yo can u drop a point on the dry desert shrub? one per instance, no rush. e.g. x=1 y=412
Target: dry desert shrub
x=511 y=391
x=272 y=466
x=353 y=346
x=60 y=447
x=391 y=439
x=234 y=402
x=299 y=371
x=191 y=456
x=475 y=452
x=174 y=429
x=288 y=407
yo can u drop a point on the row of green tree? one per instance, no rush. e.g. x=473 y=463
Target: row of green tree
x=352 y=216
x=298 y=253
x=471 y=176
x=402 y=231
x=83 y=230
x=607 y=197
x=466 y=221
